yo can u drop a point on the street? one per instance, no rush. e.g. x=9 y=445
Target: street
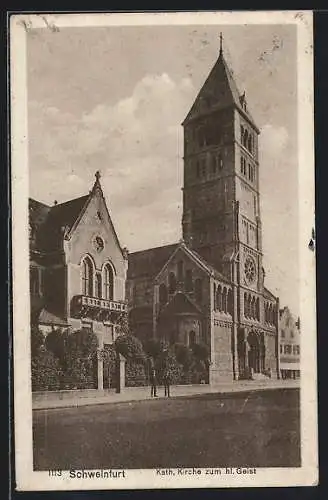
x=250 y=429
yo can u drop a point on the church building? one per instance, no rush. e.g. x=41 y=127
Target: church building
x=77 y=268
x=209 y=287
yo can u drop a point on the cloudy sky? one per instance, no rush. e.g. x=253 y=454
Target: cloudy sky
x=113 y=99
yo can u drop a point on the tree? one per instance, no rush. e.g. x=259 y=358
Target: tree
x=154 y=347
x=201 y=351
x=37 y=340
x=130 y=347
x=56 y=343
x=183 y=355
x=123 y=324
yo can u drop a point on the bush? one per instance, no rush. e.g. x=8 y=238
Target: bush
x=76 y=353
x=46 y=372
x=135 y=374
x=80 y=359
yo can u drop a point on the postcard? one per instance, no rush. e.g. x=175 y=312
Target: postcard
x=164 y=307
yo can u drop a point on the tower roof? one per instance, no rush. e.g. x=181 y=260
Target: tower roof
x=218 y=92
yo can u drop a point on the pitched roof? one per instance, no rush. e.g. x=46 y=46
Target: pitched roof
x=209 y=266
x=220 y=89
x=48 y=318
x=148 y=263
x=65 y=214
x=268 y=294
x=50 y=222
x=37 y=211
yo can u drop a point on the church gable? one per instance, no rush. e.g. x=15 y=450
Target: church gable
x=181 y=262
x=93 y=233
x=183 y=273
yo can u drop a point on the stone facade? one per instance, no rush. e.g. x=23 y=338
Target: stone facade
x=289 y=344
x=77 y=268
x=221 y=250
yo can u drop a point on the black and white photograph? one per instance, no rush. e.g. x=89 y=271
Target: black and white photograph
x=163 y=250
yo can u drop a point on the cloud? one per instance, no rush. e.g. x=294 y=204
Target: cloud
x=135 y=143
x=274 y=139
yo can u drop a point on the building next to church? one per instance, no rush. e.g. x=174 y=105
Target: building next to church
x=77 y=267
x=289 y=344
x=209 y=287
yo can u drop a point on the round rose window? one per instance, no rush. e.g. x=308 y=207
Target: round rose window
x=99 y=243
x=250 y=270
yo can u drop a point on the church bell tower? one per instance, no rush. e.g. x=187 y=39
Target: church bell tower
x=221 y=205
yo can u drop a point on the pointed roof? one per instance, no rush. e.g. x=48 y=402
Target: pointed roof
x=218 y=92
x=148 y=263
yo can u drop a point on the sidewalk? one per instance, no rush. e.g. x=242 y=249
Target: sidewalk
x=143 y=393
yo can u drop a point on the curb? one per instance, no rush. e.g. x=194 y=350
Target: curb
x=222 y=393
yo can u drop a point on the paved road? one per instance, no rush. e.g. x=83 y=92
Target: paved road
x=258 y=429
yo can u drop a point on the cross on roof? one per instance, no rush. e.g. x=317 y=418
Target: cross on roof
x=221 y=41
x=97 y=175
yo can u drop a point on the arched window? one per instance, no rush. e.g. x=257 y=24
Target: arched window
x=249 y=144
x=98 y=287
x=245 y=138
x=253 y=308
x=230 y=304
x=199 y=290
x=245 y=305
x=225 y=300
x=180 y=270
x=249 y=306
x=188 y=281
x=258 y=309
x=162 y=294
x=87 y=277
x=108 y=282
x=192 y=338
x=172 y=283
x=219 y=298
x=214 y=296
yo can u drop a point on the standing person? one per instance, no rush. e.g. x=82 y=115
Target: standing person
x=167 y=381
x=153 y=382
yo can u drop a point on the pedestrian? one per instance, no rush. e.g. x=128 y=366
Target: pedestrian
x=167 y=381
x=153 y=382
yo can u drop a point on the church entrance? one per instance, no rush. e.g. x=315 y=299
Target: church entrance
x=251 y=353
x=256 y=352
